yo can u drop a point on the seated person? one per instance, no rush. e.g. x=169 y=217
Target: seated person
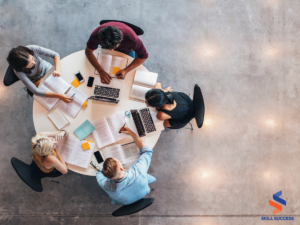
x=45 y=154
x=175 y=108
x=115 y=36
x=127 y=187
x=30 y=68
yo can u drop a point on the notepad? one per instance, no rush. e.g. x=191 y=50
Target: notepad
x=84 y=130
x=85 y=146
x=58 y=118
x=75 y=83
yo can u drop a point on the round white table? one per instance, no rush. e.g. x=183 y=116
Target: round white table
x=94 y=110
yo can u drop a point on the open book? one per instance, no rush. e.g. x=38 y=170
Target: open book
x=52 y=84
x=58 y=118
x=72 y=152
x=143 y=82
x=111 y=64
x=125 y=153
x=107 y=129
x=74 y=107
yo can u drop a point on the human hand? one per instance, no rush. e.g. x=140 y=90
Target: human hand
x=60 y=136
x=66 y=98
x=126 y=130
x=56 y=73
x=168 y=89
x=121 y=74
x=105 y=78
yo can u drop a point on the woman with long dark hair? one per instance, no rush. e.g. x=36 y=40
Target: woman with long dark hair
x=175 y=108
x=30 y=68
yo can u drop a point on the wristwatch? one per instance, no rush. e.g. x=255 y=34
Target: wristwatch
x=65 y=132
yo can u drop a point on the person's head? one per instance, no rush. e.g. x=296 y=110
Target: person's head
x=158 y=98
x=42 y=145
x=110 y=37
x=21 y=59
x=112 y=169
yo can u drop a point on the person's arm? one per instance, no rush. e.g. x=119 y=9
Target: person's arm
x=105 y=78
x=56 y=72
x=162 y=116
x=101 y=180
x=135 y=63
x=144 y=161
x=58 y=163
x=158 y=86
x=137 y=140
x=59 y=135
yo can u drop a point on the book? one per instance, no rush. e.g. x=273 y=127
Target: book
x=143 y=82
x=107 y=129
x=71 y=151
x=73 y=107
x=58 y=118
x=84 y=130
x=111 y=64
x=52 y=84
x=125 y=153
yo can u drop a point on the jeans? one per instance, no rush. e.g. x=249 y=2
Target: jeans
x=131 y=54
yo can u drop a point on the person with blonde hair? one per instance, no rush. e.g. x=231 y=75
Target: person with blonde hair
x=45 y=154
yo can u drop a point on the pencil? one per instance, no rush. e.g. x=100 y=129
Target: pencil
x=122 y=127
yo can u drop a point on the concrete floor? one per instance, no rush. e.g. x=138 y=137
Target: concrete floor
x=243 y=54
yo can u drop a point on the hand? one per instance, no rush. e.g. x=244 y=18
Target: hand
x=56 y=73
x=66 y=98
x=168 y=89
x=105 y=78
x=59 y=136
x=126 y=130
x=121 y=74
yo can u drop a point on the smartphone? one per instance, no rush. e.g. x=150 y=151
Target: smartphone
x=98 y=157
x=90 y=82
x=79 y=77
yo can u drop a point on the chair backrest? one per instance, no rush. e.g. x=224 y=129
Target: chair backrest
x=136 y=29
x=10 y=77
x=199 y=108
x=134 y=207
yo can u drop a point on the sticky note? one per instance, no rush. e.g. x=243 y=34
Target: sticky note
x=115 y=70
x=85 y=103
x=75 y=83
x=85 y=146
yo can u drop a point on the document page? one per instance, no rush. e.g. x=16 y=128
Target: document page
x=58 y=118
x=102 y=135
x=115 y=123
x=82 y=158
x=116 y=65
x=74 y=107
x=143 y=78
x=48 y=103
x=105 y=62
x=138 y=92
x=131 y=152
x=57 y=84
x=66 y=147
x=115 y=151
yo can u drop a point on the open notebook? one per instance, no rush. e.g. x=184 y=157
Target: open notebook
x=107 y=129
x=125 y=153
x=111 y=64
x=143 y=82
x=52 y=84
x=72 y=152
x=58 y=118
x=74 y=107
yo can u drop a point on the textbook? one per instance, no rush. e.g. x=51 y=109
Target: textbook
x=58 y=118
x=125 y=153
x=107 y=129
x=143 y=82
x=111 y=64
x=73 y=107
x=52 y=84
x=72 y=152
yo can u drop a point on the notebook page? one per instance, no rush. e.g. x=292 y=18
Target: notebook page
x=82 y=158
x=143 y=78
x=116 y=62
x=102 y=135
x=115 y=123
x=115 y=151
x=139 y=92
x=58 y=118
x=66 y=147
x=131 y=152
x=105 y=62
x=57 y=84
x=48 y=103
x=74 y=107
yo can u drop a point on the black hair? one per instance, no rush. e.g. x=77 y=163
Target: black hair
x=158 y=98
x=110 y=37
x=18 y=59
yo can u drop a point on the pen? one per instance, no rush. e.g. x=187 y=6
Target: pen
x=122 y=127
x=73 y=95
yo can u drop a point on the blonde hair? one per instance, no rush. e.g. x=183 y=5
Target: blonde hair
x=41 y=145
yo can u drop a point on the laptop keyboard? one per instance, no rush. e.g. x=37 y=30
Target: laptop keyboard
x=147 y=120
x=106 y=91
x=138 y=123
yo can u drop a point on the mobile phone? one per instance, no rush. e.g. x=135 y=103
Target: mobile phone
x=90 y=82
x=79 y=77
x=98 y=157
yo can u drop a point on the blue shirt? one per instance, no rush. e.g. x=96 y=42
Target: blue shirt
x=133 y=186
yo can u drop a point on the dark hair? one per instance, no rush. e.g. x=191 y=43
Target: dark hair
x=158 y=98
x=18 y=59
x=110 y=36
x=109 y=169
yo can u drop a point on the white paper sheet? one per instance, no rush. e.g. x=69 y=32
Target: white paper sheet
x=82 y=158
x=66 y=146
x=57 y=84
x=131 y=152
x=102 y=135
x=48 y=103
x=105 y=62
x=115 y=151
x=139 y=92
x=116 y=62
x=58 y=118
x=143 y=78
x=115 y=123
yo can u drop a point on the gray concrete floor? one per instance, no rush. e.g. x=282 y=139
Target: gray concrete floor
x=243 y=54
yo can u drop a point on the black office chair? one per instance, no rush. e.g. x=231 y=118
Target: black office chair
x=134 y=207
x=10 y=78
x=136 y=29
x=31 y=174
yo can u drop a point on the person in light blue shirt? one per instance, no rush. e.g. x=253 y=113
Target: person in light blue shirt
x=127 y=187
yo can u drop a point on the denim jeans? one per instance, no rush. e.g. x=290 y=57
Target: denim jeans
x=131 y=53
